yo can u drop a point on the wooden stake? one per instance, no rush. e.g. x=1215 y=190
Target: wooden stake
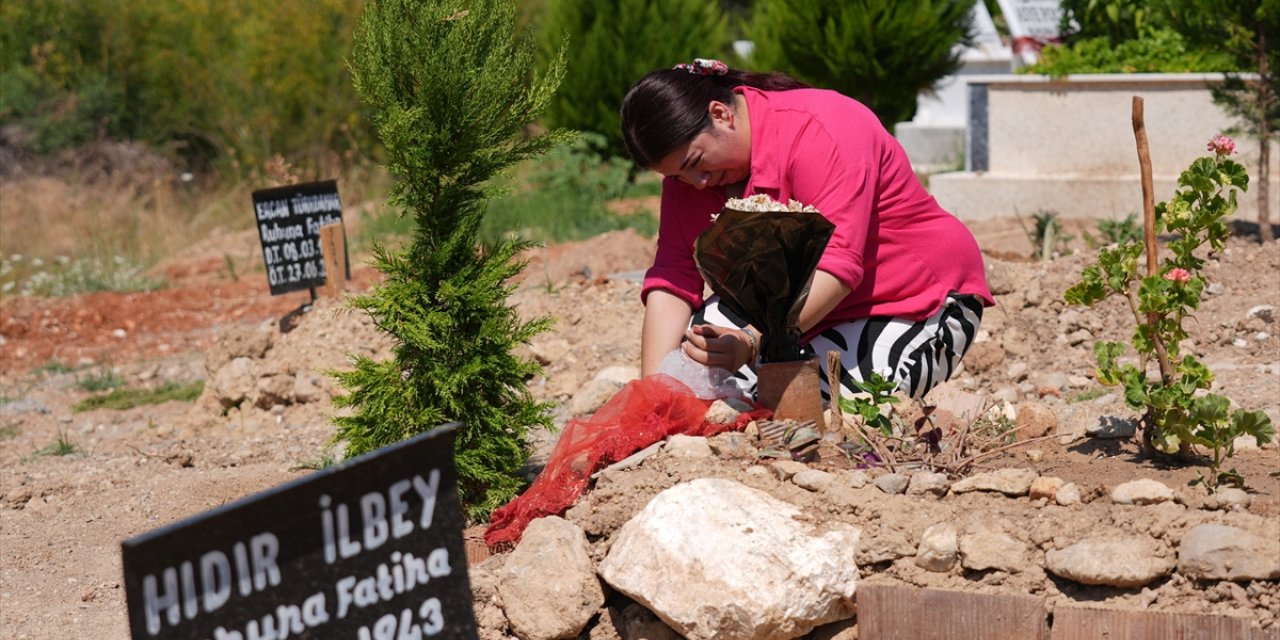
x=1148 y=191
x=333 y=245
x=1149 y=225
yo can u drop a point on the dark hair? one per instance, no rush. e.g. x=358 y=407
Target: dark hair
x=667 y=108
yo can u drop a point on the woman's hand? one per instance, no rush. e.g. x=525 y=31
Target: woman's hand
x=724 y=347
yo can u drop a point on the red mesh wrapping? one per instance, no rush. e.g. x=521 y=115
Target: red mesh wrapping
x=640 y=414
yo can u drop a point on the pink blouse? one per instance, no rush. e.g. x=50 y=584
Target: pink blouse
x=894 y=247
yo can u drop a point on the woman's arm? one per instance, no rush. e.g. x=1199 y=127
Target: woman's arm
x=665 y=319
x=825 y=294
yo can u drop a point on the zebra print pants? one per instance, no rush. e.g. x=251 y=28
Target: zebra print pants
x=918 y=356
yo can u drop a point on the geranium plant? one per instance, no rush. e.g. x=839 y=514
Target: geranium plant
x=1178 y=411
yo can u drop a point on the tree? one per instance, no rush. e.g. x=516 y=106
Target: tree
x=1249 y=30
x=615 y=42
x=881 y=52
x=451 y=92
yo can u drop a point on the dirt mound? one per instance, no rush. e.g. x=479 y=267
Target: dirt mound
x=132 y=471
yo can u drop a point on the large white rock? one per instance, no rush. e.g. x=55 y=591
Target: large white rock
x=1142 y=491
x=548 y=585
x=1123 y=561
x=717 y=559
x=1219 y=552
x=1011 y=482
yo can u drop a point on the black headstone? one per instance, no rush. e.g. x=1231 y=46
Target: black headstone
x=289 y=221
x=370 y=549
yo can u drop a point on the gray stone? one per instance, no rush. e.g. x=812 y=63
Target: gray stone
x=892 y=483
x=305 y=387
x=1052 y=379
x=1142 y=491
x=884 y=544
x=682 y=446
x=747 y=569
x=1125 y=562
x=928 y=482
x=549 y=588
x=785 y=469
x=813 y=479
x=855 y=478
x=1068 y=495
x=1112 y=427
x=593 y=395
x=1002 y=277
x=1017 y=371
x=274 y=389
x=986 y=548
x=726 y=411
x=1012 y=482
x=1219 y=552
x=1007 y=393
x=1228 y=499
x=938 y=548
x=1264 y=312
x=234 y=382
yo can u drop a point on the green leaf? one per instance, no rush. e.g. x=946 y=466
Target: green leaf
x=1254 y=423
x=1230 y=478
x=1166 y=442
x=1234 y=174
x=1211 y=409
x=1135 y=388
x=1195 y=373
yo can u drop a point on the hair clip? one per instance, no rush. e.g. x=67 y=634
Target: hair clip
x=704 y=67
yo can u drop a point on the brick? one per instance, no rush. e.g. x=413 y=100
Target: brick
x=1085 y=623
x=896 y=612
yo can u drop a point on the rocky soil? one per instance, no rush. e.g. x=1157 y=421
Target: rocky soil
x=264 y=418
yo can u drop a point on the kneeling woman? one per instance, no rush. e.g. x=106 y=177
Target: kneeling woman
x=899 y=290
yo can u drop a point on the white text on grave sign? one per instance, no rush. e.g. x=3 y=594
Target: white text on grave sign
x=1036 y=19
x=379 y=564
x=289 y=221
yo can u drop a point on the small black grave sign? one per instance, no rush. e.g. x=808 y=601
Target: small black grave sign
x=289 y=220
x=368 y=550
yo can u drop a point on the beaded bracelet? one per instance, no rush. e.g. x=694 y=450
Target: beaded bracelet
x=754 y=342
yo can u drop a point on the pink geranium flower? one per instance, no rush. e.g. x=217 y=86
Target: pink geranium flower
x=1178 y=275
x=1222 y=145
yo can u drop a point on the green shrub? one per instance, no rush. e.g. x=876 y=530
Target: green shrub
x=563 y=197
x=450 y=92
x=1163 y=51
x=881 y=52
x=233 y=79
x=612 y=43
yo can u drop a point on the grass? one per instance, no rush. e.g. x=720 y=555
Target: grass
x=9 y=431
x=104 y=380
x=122 y=399
x=76 y=233
x=562 y=197
x=1087 y=394
x=52 y=367
x=316 y=464
x=63 y=446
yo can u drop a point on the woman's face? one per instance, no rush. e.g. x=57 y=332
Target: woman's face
x=719 y=156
